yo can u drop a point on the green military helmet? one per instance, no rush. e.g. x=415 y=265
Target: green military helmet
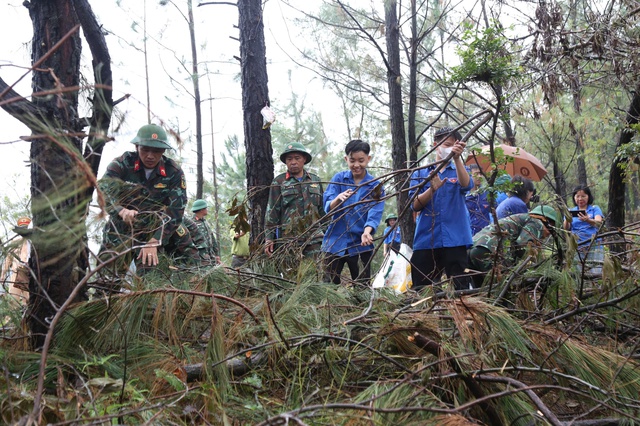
x=295 y=147
x=153 y=136
x=547 y=212
x=199 y=205
x=389 y=217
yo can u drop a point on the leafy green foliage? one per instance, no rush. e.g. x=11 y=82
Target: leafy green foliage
x=485 y=57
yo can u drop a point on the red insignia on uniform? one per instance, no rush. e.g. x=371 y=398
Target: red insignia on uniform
x=454 y=180
x=287 y=176
x=162 y=170
x=154 y=136
x=136 y=166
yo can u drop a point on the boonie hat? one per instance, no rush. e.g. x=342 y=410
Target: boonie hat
x=153 y=136
x=389 y=217
x=295 y=147
x=199 y=205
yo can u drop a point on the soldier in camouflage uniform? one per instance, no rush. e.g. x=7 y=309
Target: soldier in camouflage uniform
x=146 y=196
x=518 y=232
x=295 y=206
x=201 y=234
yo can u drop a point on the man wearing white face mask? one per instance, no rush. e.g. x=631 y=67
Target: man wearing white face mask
x=443 y=229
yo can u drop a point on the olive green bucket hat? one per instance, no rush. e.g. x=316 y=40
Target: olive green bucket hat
x=547 y=212
x=295 y=147
x=152 y=136
x=199 y=205
x=389 y=217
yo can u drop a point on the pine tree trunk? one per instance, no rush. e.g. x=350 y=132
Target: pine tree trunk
x=399 y=144
x=58 y=187
x=255 y=95
x=617 y=186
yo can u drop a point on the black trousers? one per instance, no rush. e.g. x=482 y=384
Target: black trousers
x=335 y=264
x=428 y=265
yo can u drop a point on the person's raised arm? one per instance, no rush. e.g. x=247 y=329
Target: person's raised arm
x=461 y=171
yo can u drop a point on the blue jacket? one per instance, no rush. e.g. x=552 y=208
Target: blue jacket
x=444 y=221
x=392 y=236
x=344 y=234
x=512 y=205
x=479 y=211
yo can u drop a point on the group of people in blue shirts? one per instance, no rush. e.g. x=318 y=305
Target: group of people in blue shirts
x=355 y=200
x=447 y=215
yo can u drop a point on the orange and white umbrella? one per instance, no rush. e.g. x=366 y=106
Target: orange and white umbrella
x=517 y=161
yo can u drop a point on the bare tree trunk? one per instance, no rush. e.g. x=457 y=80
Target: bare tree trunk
x=617 y=186
x=398 y=141
x=413 y=88
x=195 y=77
x=581 y=167
x=102 y=99
x=255 y=95
x=558 y=173
x=58 y=187
x=61 y=181
x=576 y=92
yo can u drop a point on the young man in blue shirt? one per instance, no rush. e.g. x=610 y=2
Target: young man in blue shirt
x=443 y=229
x=354 y=199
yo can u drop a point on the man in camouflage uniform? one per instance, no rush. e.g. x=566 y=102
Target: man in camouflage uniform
x=146 y=195
x=295 y=206
x=518 y=232
x=201 y=234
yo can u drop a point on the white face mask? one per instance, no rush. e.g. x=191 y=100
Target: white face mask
x=444 y=151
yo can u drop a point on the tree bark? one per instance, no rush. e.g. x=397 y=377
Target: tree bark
x=617 y=186
x=255 y=96
x=102 y=101
x=195 y=77
x=58 y=185
x=61 y=181
x=396 y=114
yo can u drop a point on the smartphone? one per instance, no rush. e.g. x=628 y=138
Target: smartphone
x=575 y=213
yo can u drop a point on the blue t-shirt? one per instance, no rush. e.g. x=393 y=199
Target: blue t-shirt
x=363 y=208
x=394 y=236
x=479 y=211
x=444 y=221
x=584 y=230
x=512 y=205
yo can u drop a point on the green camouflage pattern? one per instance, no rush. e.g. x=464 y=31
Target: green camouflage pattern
x=294 y=210
x=203 y=237
x=517 y=230
x=159 y=200
x=182 y=248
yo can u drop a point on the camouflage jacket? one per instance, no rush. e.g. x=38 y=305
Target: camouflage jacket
x=202 y=236
x=126 y=186
x=518 y=231
x=295 y=207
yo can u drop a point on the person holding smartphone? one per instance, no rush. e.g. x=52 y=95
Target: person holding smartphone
x=585 y=224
